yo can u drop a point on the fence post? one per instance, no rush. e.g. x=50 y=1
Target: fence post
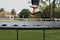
x=44 y=34
x=17 y=34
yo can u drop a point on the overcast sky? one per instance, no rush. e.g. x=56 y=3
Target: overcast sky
x=18 y=5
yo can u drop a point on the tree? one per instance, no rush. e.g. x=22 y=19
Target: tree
x=46 y=8
x=57 y=12
x=2 y=9
x=13 y=12
x=24 y=13
x=58 y=3
x=49 y=9
x=52 y=10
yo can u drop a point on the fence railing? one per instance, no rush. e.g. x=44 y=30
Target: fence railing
x=28 y=19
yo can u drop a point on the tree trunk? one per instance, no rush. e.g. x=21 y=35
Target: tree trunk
x=52 y=10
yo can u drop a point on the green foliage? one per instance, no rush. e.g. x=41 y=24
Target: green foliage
x=42 y=8
x=31 y=16
x=50 y=11
x=57 y=12
x=24 y=13
x=57 y=9
x=13 y=12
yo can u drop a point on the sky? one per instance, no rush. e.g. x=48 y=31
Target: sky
x=18 y=5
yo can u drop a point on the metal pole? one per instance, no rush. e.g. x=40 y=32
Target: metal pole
x=17 y=34
x=43 y=34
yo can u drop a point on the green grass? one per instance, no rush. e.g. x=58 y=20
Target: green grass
x=29 y=35
x=52 y=34
x=17 y=20
x=7 y=20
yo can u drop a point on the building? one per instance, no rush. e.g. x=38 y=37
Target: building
x=5 y=14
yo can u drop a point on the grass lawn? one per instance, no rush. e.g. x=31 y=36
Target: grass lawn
x=23 y=20
x=18 y=19
x=29 y=35
x=7 y=20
